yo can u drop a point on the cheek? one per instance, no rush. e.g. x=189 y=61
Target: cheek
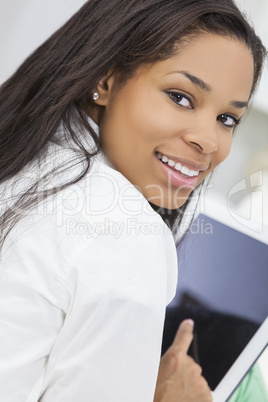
x=143 y=114
x=224 y=148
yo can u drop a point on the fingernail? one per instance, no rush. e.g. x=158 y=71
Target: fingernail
x=190 y=321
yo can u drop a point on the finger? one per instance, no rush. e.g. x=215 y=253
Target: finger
x=184 y=336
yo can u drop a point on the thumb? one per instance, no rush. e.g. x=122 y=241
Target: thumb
x=184 y=336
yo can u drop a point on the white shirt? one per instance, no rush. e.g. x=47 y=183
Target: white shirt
x=84 y=282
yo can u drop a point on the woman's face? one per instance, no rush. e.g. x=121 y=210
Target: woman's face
x=171 y=124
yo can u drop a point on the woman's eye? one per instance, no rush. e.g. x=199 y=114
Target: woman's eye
x=229 y=121
x=180 y=99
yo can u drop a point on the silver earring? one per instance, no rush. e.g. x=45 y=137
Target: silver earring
x=95 y=96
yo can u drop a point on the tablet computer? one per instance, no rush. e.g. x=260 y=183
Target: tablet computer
x=242 y=366
x=222 y=286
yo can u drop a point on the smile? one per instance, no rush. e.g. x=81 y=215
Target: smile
x=177 y=166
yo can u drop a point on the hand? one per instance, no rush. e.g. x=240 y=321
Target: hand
x=179 y=377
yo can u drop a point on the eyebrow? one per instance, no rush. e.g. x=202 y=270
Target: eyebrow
x=239 y=104
x=205 y=87
x=195 y=80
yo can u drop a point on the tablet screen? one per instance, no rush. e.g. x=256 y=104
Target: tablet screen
x=222 y=286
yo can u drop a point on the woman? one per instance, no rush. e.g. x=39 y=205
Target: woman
x=106 y=130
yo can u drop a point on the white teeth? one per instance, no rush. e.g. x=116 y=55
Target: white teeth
x=171 y=163
x=164 y=159
x=185 y=170
x=178 y=166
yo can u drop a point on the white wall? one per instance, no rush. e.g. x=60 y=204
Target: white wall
x=25 y=24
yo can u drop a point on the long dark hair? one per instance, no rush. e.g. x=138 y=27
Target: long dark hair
x=58 y=79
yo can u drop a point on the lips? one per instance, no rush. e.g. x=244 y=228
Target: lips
x=192 y=170
x=180 y=173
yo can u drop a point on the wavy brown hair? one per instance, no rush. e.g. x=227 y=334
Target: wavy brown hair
x=58 y=79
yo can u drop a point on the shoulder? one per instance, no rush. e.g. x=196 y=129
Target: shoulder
x=104 y=193
x=101 y=203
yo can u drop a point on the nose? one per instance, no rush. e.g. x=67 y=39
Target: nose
x=203 y=137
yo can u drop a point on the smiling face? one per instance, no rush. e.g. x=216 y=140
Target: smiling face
x=171 y=124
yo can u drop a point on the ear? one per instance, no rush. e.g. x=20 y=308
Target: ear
x=104 y=88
